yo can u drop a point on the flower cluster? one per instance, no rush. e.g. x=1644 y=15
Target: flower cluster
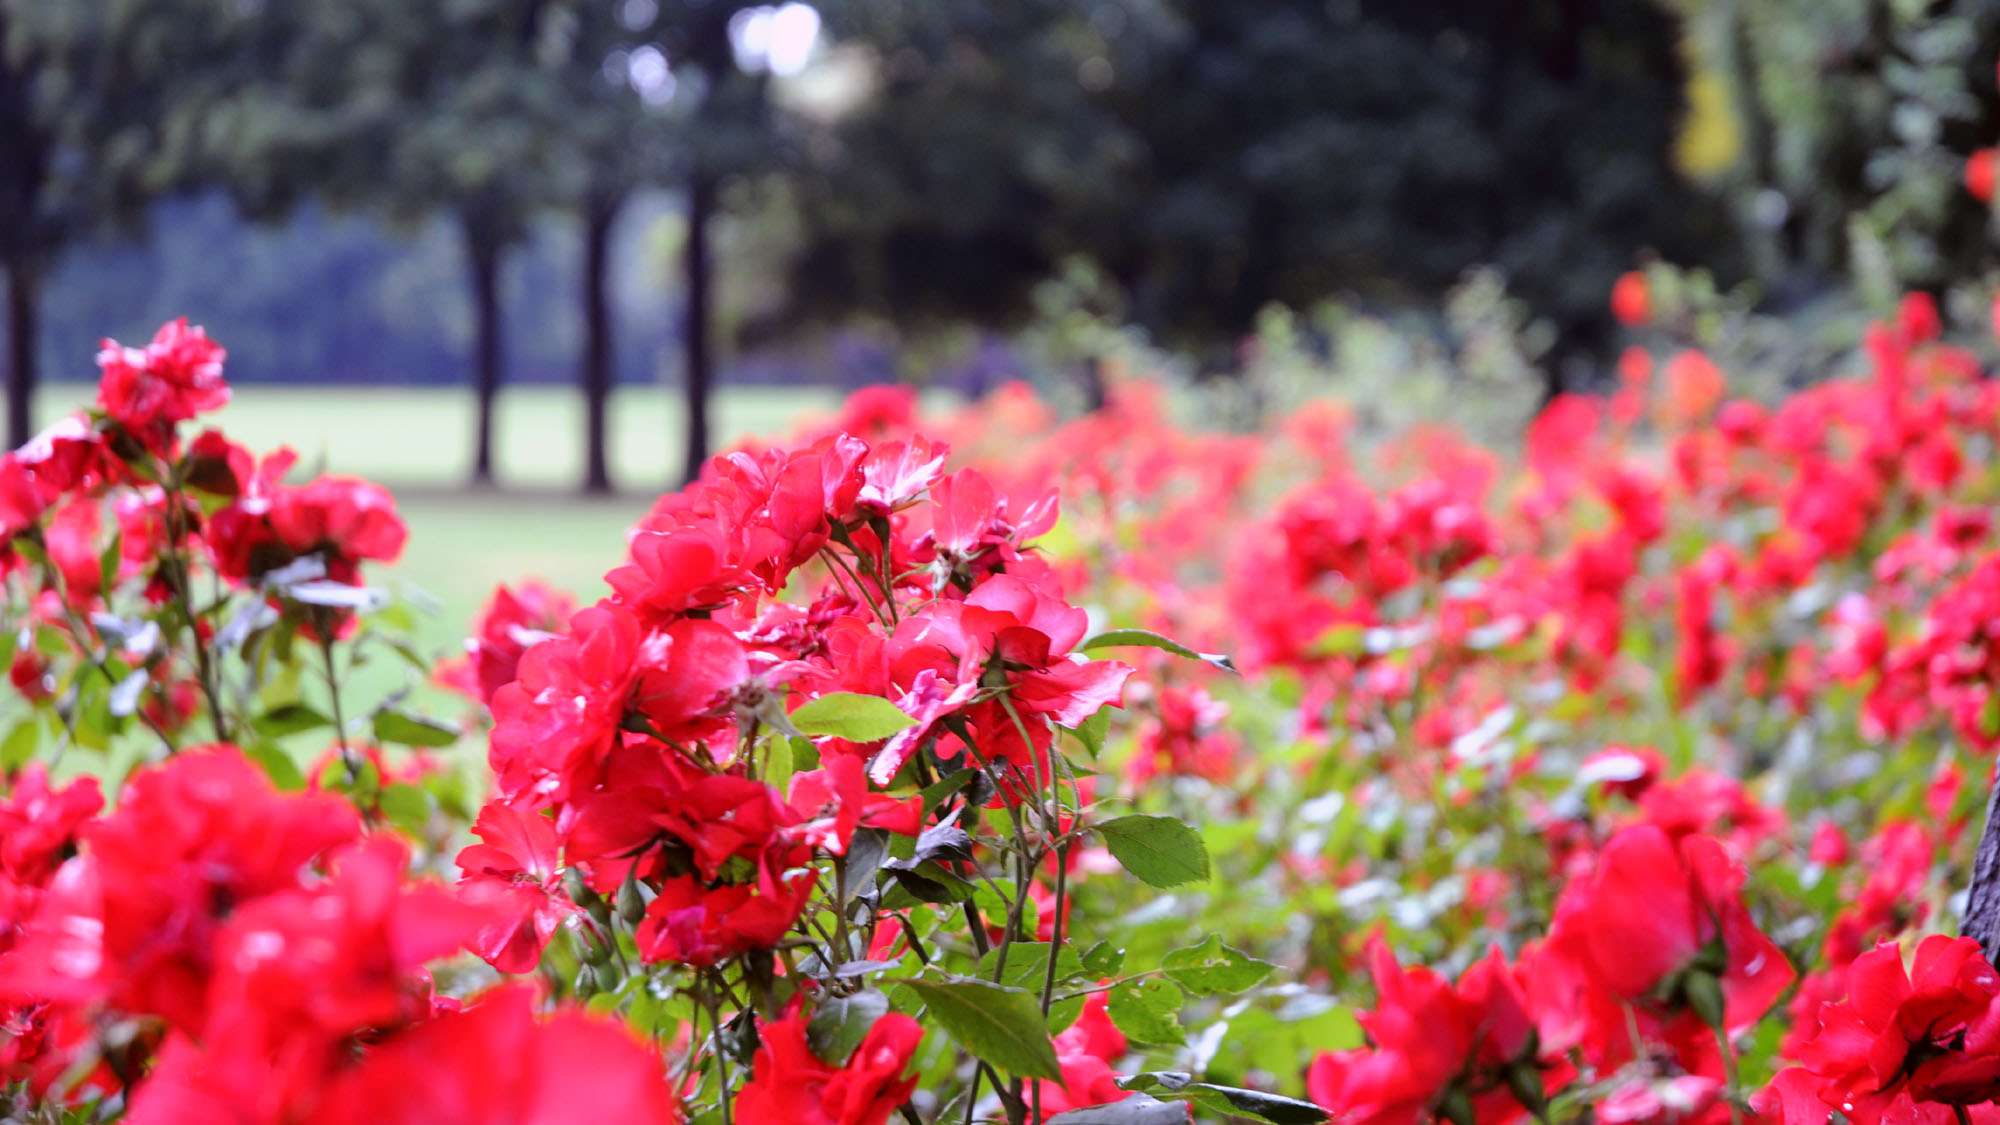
x=1631 y=778
x=216 y=950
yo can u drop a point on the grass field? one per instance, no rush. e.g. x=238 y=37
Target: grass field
x=462 y=542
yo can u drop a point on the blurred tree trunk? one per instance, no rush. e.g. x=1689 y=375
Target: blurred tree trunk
x=24 y=170
x=600 y=212
x=482 y=252
x=697 y=372
x=23 y=335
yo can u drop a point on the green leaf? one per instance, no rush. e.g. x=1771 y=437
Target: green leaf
x=865 y=853
x=1213 y=967
x=1147 y=1011
x=407 y=807
x=1146 y=638
x=848 y=715
x=1346 y=639
x=1028 y=965
x=1002 y=1026
x=289 y=718
x=107 y=564
x=1270 y=1107
x=1158 y=849
x=1103 y=959
x=778 y=768
x=21 y=743
x=840 y=1023
x=927 y=882
x=278 y=765
x=91 y=718
x=392 y=725
x=938 y=791
x=1139 y=1109
x=1027 y=969
x=1090 y=732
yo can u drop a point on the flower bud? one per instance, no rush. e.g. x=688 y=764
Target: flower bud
x=631 y=904
x=1524 y=1079
x=1704 y=995
x=1456 y=1107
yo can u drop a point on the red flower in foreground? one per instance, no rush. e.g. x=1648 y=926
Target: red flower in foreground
x=696 y=925
x=299 y=976
x=1927 y=1035
x=1434 y=1043
x=496 y=1064
x=791 y=1085
x=132 y=920
x=515 y=866
x=1658 y=919
x=38 y=821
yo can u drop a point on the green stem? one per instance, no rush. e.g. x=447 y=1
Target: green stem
x=177 y=581
x=347 y=756
x=1730 y=1075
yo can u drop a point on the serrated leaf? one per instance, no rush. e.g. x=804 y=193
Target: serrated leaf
x=1028 y=965
x=1160 y=850
x=1002 y=1026
x=1147 y=1011
x=393 y=725
x=1146 y=638
x=1103 y=959
x=852 y=716
x=840 y=1023
x=1213 y=967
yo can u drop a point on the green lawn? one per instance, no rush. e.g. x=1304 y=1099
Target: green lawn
x=463 y=542
x=423 y=436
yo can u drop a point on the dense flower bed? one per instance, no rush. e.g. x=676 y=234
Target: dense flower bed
x=897 y=778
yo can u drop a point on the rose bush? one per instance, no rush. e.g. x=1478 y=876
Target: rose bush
x=1629 y=776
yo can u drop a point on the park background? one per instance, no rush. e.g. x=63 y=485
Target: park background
x=503 y=254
